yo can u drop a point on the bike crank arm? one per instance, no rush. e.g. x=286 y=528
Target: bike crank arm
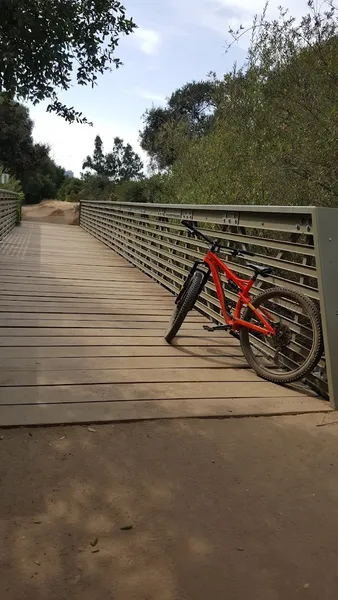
x=216 y=327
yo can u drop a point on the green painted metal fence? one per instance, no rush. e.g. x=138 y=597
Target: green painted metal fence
x=9 y=202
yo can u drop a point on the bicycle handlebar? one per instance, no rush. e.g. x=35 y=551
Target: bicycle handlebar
x=199 y=234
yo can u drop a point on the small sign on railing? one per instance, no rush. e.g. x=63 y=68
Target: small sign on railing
x=4 y=178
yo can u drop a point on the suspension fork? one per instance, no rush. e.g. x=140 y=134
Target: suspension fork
x=195 y=267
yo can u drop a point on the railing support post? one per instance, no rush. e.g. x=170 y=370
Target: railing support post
x=325 y=229
x=80 y=206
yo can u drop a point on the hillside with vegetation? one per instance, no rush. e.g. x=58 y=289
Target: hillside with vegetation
x=266 y=133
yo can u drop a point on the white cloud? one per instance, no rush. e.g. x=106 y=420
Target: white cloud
x=219 y=15
x=152 y=96
x=148 y=39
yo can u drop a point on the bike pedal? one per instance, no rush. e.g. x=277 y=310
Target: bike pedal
x=215 y=327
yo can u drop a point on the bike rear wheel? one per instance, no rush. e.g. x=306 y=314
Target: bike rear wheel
x=298 y=344
x=184 y=305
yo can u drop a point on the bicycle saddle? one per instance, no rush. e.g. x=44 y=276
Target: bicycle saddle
x=259 y=270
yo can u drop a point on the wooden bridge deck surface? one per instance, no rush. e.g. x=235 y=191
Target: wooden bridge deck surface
x=81 y=341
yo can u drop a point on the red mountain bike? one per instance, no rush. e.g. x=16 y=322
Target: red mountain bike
x=280 y=331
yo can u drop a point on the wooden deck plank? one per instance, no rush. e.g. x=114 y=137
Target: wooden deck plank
x=82 y=309
x=153 y=303
x=192 y=331
x=76 y=293
x=81 y=340
x=124 y=362
x=108 y=392
x=100 y=412
x=111 y=351
x=137 y=340
x=151 y=375
x=44 y=323
x=110 y=289
x=83 y=317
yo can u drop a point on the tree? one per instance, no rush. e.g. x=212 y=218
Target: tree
x=97 y=162
x=121 y=164
x=44 y=44
x=285 y=112
x=71 y=189
x=298 y=64
x=191 y=108
x=196 y=102
x=30 y=163
x=43 y=180
x=154 y=121
x=12 y=183
x=16 y=142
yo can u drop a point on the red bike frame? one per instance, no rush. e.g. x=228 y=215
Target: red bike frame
x=216 y=265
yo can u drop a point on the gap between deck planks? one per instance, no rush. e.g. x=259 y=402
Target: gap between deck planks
x=81 y=340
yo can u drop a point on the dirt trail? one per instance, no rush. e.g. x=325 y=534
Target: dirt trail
x=52 y=211
x=175 y=510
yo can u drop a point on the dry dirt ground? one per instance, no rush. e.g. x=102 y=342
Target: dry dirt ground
x=196 y=509
x=52 y=211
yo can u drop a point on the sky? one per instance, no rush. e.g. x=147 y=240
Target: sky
x=177 y=41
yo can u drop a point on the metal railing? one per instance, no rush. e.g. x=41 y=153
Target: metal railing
x=9 y=202
x=301 y=243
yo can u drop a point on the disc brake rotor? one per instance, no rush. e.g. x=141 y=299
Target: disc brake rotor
x=283 y=336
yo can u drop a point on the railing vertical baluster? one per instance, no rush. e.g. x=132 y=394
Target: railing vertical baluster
x=8 y=212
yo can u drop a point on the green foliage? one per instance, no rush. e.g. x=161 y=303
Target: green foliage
x=297 y=115
x=96 y=187
x=97 y=162
x=12 y=184
x=155 y=119
x=121 y=164
x=152 y=189
x=30 y=163
x=16 y=142
x=71 y=189
x=191 y=108
x=158 y=189
x=44 y=45
x=194 y=103
x=129 y=191
x=273 y=135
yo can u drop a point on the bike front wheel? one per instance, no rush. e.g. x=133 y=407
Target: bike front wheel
x=297 y=345
x=184 y=305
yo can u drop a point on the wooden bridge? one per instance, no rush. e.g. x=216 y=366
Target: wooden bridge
x=81 y=341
